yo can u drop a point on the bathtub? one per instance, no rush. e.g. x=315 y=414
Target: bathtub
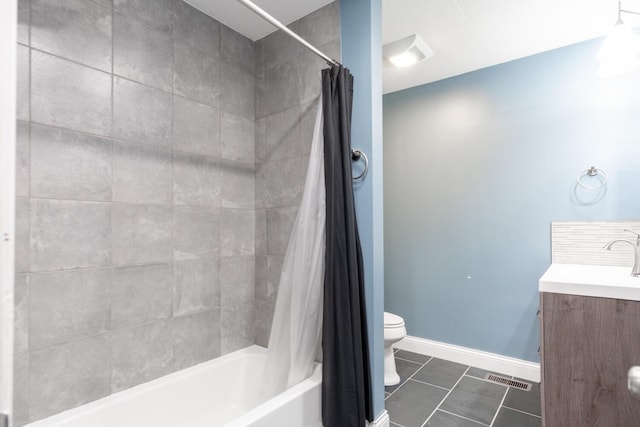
x=212 y=394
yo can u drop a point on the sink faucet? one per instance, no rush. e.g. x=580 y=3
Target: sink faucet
x=635 y=271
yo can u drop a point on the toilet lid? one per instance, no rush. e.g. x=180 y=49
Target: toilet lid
x=392 y=320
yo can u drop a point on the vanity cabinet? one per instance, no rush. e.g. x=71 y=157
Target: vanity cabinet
x=588 y=345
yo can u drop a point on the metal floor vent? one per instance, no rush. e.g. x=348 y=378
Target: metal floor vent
x=520 y=385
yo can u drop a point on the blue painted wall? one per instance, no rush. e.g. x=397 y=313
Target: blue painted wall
x=477 y=167
x=361 y=52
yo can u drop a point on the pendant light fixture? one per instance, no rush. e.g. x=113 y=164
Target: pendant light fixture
x=620 y=52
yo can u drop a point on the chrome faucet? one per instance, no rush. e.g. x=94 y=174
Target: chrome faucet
x=635 y=271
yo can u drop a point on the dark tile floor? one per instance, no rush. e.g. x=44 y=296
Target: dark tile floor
x=438 y=393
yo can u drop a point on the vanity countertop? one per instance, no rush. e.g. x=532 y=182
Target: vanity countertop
x=591 y=280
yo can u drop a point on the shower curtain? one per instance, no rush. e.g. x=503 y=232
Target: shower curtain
x=297 y=320
x=346 y=376
x=321 y=292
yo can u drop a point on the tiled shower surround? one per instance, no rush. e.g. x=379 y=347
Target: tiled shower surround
x=161 y=158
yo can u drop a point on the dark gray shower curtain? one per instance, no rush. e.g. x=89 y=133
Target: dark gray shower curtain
x=346 y=376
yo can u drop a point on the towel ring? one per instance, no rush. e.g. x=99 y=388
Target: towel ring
x=355 y=156
x=593 y=171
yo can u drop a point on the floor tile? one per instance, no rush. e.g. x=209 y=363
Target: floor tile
x=510 y=418
x=475 y=399
x=444 y=419
x=526 y=401
x=405 y=370
x=412 y=403
x=413 y=357
x=441 y=373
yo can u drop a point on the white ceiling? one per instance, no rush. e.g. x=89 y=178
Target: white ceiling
x=465 y=35
x=235 y=15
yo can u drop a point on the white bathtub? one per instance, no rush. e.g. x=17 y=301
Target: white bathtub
x=212 y=394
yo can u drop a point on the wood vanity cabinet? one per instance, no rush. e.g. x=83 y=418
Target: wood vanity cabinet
x=587 y=346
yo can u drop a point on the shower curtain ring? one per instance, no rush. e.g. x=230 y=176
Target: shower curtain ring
x=355 y=156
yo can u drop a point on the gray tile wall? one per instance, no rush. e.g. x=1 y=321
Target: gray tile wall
x=136 y=201
x=161 y=159
x=287 y=86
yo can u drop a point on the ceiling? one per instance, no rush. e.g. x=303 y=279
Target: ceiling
x=235 y=15
x=465 y=35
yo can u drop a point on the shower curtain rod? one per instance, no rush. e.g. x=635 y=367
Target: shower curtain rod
x=258 y=11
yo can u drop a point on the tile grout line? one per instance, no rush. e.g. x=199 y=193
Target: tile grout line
x=464 y=418
x=445 y=397
x=521 y=411
x=411 y=361
x=405 y=381
x=495 y=416
x=426 y=383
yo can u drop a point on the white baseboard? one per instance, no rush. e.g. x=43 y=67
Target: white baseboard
x=381 y=421
x=480 y=359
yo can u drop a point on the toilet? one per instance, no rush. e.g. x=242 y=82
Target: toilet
x=394 y=331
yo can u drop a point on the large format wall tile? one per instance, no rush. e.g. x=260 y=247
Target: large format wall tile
x=21 y=303
x=68 y=305
x=22 y=85
x=282 y=139
x=67 y=234
x=141 y=174
x=263 y=320
x=237 y=91
x=141 y=294
x=75 y=29
x=196 y=338
x=157 y=13
x=141 y=234
x=279 y=226
x=140 y=354
x=22 y=246
x=67 y=375
x=322 y=26
x=237 y=50
x=196 y=180
x=21 y=388
x=278 y=183
x=142 y=53
x=196 y=75
x=66 y=94
x=196 y=232
x=196 y=285
x=237 y=327
x=196 y=127
x=237 y=235
x=22 y=158
x=141 y=114
x=237 y=280
x=280 y=47
x=282 y=87
x=197 y=29
x=238 y=138
x=69 y=165
x=238 y=185
x=23 y=21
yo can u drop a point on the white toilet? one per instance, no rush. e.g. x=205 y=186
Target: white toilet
x=394 y=331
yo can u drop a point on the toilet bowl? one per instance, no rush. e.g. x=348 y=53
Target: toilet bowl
x=394 y=331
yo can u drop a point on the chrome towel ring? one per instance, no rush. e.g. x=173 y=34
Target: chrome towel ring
x=355 y=156
x=593 y=171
